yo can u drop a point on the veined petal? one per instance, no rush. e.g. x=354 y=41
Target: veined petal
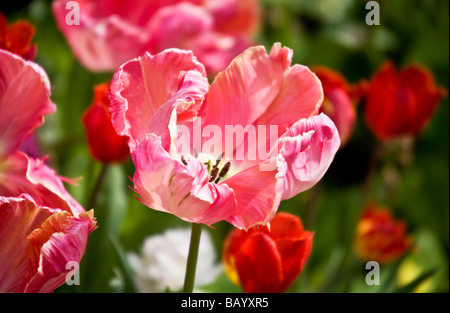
x=142 y=85
x=61 y=239
x=308 y=148
x=300 y=96
x=167 y=185
x=18 y=217
x=24 y=100
x=242 y=93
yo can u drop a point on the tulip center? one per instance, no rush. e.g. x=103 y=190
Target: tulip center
x=216 y=169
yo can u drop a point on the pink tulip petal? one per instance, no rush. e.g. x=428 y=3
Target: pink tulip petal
x=217 y=50
x=100 y=42
x=24 y=100
x=18 y=217
x=173 y=26
x=61 y=239
x=236 y=16
x=308 y=148
x=143 y=85
x=184 y=106
x=22 y=174
x=167 y=185
x=191 y=27
x=305 y=153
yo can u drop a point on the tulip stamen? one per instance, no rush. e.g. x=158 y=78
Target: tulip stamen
x=214 y=173
x=223 y=172
x=183 y=160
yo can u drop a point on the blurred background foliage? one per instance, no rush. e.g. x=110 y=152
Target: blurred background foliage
x=332 y=33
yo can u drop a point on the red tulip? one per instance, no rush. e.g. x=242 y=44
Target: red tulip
x=401 y=103
x=267 y=260
x=379 y=237
x=105 y=145
x=17 y=37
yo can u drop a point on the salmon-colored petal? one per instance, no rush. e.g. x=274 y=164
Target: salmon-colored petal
x=300 y=97
x=258 y=195
x=243 y=92
x=24 y=100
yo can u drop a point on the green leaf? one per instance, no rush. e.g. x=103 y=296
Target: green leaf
x=416 y=282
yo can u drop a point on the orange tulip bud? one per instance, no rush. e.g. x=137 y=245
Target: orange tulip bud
x=379 y=237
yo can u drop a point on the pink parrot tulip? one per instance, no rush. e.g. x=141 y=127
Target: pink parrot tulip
x=181 y=133
x=42 y=227
x=105 y=34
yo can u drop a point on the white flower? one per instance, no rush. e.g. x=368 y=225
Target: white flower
x=162 y=262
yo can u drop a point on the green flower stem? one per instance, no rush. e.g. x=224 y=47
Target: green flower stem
x=191 y=264
x=98 y=184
